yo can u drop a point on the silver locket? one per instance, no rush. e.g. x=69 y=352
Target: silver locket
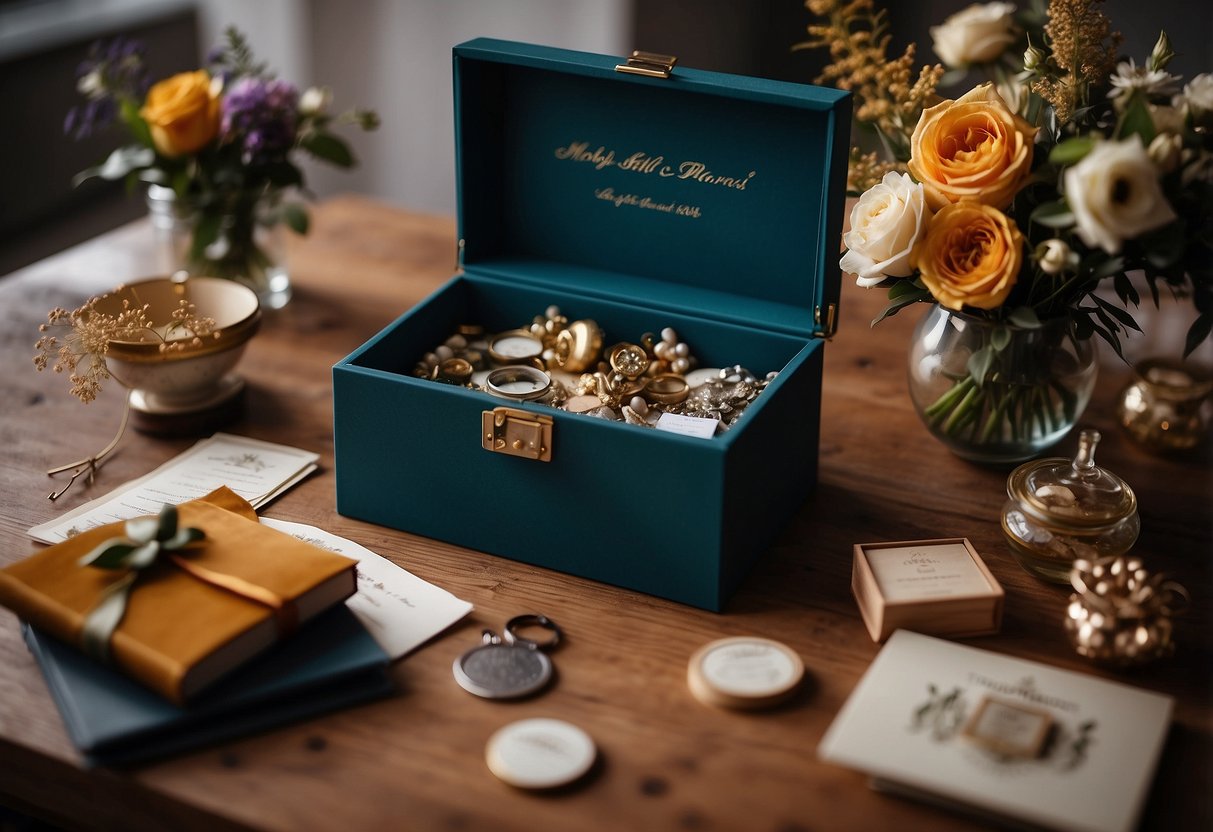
x=511 y=667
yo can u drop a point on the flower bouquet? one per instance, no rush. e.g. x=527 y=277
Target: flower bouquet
x=216 y=147
x=1021 y=207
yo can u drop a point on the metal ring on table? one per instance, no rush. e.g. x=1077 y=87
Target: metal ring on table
x=532 y=620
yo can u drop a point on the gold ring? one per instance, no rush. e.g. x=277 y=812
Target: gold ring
x=667 y=388
x=629 y=360
x=514 y=346
x=577 y=347
x=454 y=371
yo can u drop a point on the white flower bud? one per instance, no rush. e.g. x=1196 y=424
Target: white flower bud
x=315 y=100
x=1053 y=256
x=1033 y=58
x=90 y=84
x=976 y=35
x=1165 y=151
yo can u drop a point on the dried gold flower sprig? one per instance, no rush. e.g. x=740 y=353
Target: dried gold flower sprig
x=81 y=351
x=1081 y=57
x=888 y=97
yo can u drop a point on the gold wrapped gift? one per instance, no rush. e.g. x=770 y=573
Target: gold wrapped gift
x=189 y=620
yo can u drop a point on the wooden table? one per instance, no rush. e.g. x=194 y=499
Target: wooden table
x=416 y=761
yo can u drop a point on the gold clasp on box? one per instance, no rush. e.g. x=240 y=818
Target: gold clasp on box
x=825 y=325
x=505 y=430
x=649 y=64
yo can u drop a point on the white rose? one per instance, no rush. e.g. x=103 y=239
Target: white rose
x=1115 y=195
x=315 y=100
x=1198 y=93
x=975 y=35
x=886 y=222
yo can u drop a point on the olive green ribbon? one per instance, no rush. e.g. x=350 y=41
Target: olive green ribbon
x=145 y=540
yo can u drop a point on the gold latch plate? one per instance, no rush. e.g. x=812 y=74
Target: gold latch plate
x=505 y=430
x=825 y=325
x=649 y=64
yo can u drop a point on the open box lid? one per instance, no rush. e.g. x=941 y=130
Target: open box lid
x=713 y=194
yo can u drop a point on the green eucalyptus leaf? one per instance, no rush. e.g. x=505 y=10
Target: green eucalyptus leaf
x=166 y=523
x=110 y=554
x=295 y=215
x=328 y=147
x=128 y=110
x=999 y=338
x=142 y=529
x=1136 y=120
x=1071 y=150
x=144 y=556
x=1024 y=317
x=206 y=231
x=1109 y=267
x=104 y=618
x=894 y=307
x=1053 y=215
x=184 y=537
x=979 y=364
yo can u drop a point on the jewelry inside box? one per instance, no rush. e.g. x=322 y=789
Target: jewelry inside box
x=563 y=364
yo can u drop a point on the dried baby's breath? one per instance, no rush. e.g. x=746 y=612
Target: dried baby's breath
x=81 y=349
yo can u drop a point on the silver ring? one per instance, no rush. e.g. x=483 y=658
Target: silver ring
x=737 y=373
x=518 y=382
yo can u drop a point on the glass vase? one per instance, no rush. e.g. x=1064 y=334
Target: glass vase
x=247 y=239
x=995 y=392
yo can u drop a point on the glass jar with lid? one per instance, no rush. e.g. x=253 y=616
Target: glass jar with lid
x=1059 y=510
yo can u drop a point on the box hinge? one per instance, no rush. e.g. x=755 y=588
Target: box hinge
x=505 y=430
x=825 y=326
x=648 y=64
x=459 y=255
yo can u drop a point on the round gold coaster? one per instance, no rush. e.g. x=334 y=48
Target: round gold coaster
x=744 y=672
x=540 y=753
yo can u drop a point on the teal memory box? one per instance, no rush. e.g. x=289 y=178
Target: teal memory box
x=700 y=201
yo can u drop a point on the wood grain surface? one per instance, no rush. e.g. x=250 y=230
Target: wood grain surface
x=416 y=760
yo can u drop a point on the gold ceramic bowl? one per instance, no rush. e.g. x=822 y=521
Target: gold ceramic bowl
x=189 y=373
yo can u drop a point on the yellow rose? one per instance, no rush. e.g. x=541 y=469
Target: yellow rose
x=970 y=256
x=973 y=148
x=182 y=113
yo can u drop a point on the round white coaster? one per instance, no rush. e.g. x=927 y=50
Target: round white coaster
x=540 y=753
x=744 y=672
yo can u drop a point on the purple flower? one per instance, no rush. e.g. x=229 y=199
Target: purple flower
x=113 y=70
x=260 y=117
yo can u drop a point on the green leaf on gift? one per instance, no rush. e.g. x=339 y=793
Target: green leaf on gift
x=328 y=147
x=109 y=555
x=1024 y=317
x=979 y=364
x=1136 y=120
x=295 y=215
x=166 y=523
x=1071 y=150
x=1053 y=215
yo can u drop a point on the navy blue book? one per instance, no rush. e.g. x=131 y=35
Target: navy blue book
x=330 y=663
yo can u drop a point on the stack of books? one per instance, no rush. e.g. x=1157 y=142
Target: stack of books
x=192 y=663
